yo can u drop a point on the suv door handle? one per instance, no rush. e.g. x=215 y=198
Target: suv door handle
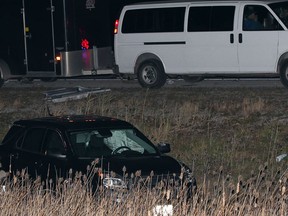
x=240 y=38
x=231 y=38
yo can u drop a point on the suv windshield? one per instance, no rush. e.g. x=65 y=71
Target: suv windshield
x=106 y=142
x=281 y=9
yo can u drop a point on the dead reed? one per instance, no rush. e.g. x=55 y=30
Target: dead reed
x=263 y=193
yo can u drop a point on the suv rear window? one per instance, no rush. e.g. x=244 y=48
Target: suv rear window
x=211 y=18
x=13 y=133
x=154 y=20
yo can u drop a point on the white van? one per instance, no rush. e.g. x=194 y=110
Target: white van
x=202 y=39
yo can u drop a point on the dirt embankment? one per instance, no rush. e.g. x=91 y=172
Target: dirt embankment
x=237 y=129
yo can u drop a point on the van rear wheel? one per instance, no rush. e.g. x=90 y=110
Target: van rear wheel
x=1 y=82
x=151 y=74
x=284 y=74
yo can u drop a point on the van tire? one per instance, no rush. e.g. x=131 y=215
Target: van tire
x=1 y=82
x=284 y=74
x=151 y=74
x=4 y=72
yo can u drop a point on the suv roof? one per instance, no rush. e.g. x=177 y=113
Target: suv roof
x=74 y=121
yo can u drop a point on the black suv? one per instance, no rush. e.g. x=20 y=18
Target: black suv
x=53 y=146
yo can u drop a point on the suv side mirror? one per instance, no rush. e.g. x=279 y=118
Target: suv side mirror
x=164 y=147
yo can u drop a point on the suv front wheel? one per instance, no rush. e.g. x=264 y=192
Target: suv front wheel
x=151 y=74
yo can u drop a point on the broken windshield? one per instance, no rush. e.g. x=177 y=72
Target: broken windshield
x=105 y=142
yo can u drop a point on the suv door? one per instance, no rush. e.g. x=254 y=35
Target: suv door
x=258 y=39
x=211 y=43
x=41 y=152
x=54 y=163
x=28 y=151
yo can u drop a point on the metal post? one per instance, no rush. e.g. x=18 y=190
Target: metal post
x=25 y=36
x=65 y=26
x=53 y=36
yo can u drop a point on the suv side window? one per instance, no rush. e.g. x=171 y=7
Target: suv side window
x=54 y=143
x=258 y=18
x=211 y=18
x=154 y=20
x=33 y=139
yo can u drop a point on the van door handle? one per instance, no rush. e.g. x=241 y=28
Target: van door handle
x=231 y=38
x=240 y=38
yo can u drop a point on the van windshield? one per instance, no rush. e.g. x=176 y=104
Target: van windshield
x=281 y=10
x=109 y=142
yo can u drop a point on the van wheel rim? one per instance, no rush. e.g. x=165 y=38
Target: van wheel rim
x=286 y=73
x=149 y=74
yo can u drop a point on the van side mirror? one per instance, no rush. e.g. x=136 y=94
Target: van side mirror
x=164 y=147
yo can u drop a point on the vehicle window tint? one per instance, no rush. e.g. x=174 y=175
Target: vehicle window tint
x=53 y=143
x=281 y=9
x=211 y=18
x=13 y=134
x=154 y=20
x=258 y=18
x=102 y=142
x=33 y=139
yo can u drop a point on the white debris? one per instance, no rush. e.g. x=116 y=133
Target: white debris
x=281 y=157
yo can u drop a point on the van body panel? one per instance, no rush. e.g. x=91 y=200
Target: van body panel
x=133 y=47
x=283 y=43
x=209 y=53
x=258 y=52
x=218 y=38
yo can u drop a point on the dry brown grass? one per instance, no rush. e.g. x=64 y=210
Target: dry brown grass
x=238 y=130
x=264 y=193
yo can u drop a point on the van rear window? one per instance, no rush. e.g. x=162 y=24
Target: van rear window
x=154 y=20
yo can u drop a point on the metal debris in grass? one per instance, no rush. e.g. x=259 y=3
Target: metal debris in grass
x=73 y=93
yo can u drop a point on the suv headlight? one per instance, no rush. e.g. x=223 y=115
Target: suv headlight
x=188 y=175
x=114 y=183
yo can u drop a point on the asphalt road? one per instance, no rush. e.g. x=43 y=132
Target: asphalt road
x=173 y=83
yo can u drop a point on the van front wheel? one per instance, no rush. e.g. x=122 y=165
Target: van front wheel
x=151 y=74
x=284 y=74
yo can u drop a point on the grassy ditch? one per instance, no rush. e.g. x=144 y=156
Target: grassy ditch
x=229 y=137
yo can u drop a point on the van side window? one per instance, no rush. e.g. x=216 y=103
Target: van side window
x=211 y=18
x=258 y=18
x=154 y=20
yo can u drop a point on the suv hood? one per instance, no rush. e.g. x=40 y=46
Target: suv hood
x=158 y=164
